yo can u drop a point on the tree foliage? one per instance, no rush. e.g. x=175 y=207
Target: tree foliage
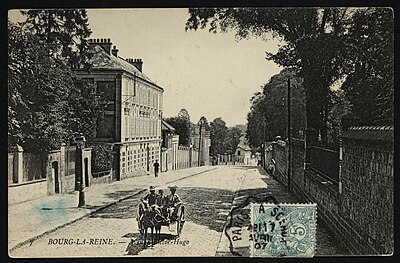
x=218 y=134
x=65 y=30
x=242 y=128
x=184 y=114
x=38 y=88
x=182 y=126
x=318 y=43
x=268 y=112
x=233 y=139
x=46 y=100
x=223 y=139
x=312 y=44
x=370 y=85
x=340 y=107
x=87 y=106
x=102 y=157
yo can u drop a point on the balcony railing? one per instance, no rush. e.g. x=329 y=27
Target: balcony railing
x=325 y=162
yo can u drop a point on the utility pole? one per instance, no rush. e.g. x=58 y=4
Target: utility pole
x=289 y=134
x=201 y=126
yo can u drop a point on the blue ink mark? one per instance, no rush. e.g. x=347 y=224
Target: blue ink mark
x=283 y=230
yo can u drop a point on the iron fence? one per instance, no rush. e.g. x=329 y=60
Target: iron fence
x=325 y=162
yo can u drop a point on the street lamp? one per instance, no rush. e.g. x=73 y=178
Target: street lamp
x=80 y=142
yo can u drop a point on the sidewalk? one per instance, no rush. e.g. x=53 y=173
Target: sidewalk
x=30 y=220
x=256 y=183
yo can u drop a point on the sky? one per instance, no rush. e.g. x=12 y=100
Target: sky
x=211 y=75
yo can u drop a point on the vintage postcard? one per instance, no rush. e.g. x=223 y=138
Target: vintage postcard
x=201 y=132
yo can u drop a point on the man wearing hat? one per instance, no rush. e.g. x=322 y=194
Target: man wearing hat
x=151 y=198
x=162 y=202
x=173 y=201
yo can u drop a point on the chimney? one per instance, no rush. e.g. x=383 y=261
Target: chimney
x=104 y=43
x=114 y=51
x=137 y=62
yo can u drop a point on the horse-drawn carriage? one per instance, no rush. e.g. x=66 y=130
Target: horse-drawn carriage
x=154 y=218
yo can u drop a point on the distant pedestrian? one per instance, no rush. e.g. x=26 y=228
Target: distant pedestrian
x=156 y=168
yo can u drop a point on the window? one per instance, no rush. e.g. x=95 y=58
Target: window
x=106 y=90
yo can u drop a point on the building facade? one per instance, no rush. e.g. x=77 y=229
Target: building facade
x=201 y=143
x=132 y=121
x=243 y=152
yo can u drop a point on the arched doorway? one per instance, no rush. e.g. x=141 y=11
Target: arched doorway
x=54 y=171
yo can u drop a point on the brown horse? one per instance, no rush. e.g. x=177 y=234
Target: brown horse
x=151 y=219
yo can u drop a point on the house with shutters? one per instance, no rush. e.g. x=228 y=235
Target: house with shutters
x=132 y=120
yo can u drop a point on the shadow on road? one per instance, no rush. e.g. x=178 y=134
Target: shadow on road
x=207 y=206
x=203 y=206
x=122 y=193
x=136 y=243
x=123 y=210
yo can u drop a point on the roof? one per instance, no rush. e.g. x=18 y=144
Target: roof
x=243 y=144
x=165 y=126
x=102 y=60
x=370 y=133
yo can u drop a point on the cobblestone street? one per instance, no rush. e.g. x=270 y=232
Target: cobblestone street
x=208 y=198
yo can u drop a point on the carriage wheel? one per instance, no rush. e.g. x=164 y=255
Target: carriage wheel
x=140 y=212
x=180 y=221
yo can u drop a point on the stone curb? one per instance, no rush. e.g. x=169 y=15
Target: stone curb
x=32 y=239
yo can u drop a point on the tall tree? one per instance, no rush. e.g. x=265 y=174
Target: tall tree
x=218 y=136
x=182 y=126
x=313 y=45
x=38 y=88
x=340 y=107
x=268 y=113
x=43 y=50
x=232 y=139
x=242 y=128
x=87 y=107
x=256 y=121
x=370 y=85
x=65 y=30
x=184 y=114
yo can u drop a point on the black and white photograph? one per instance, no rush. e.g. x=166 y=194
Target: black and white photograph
x=264 y=132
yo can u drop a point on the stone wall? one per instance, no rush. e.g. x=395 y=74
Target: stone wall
x=360 y=209
x=298 y=159
x=367 y=198
x=36 y=175
x=280 y=156
x=27 y=191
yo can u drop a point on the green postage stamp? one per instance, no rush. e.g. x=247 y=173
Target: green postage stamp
x=283 y=230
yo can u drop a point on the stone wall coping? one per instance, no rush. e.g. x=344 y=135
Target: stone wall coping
x=369 y=133
x=28 y=182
